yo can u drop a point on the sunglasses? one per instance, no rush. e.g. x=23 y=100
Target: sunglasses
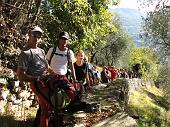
x=36 y=35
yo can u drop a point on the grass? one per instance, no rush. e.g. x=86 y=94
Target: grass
x=151 y=107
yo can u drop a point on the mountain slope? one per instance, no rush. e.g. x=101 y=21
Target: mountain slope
x=131 y=20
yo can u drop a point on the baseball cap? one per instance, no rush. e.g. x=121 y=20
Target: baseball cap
x=37 y=29
x=64 y=35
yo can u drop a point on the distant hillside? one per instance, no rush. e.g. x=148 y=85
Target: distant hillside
x=131 y=20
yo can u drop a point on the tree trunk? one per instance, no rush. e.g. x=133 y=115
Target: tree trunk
x=1 y=3
x=92 y=57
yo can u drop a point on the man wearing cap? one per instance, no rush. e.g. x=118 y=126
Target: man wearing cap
x=59 y=57
x=32 y=66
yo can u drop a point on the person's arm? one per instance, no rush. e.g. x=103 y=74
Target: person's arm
x=50 y=70
x=49 y=55
x=71 y=67
x=22 y=67
x=87 y=75
x=71 y=64
x=22 y=76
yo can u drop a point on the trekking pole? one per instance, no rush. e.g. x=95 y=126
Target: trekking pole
x=56 y=115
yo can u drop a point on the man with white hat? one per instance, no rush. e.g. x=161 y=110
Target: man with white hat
x=32 y=65
x=32 y=62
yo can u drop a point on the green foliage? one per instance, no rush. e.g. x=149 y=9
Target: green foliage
x=117 y=49
x=148 y=59
x=163 y=80
x=8 y=54
x=115 y=2
x=86 y=21
x=151 y=107
x=156 y=28
x=157 y=36
x=15 y=17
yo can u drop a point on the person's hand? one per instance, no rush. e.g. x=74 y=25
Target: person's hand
x=75 y=81
x=44 y=77
x=40 y=78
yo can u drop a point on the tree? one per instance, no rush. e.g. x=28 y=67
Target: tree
x=163 y=79
x=15 y=18
x=86 y=21
x=148 y=60
x=157 y=34
x=117 y=49
x=157 y=28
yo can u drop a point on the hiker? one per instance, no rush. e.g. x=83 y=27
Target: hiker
x=97 y=77
x=124 y=73
x=90 y=71
x=81 y=69
x=113 y=72
x=105 y=75
x=59 y=57
x=33 y=67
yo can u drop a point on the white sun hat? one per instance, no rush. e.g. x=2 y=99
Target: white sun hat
x=37 y=29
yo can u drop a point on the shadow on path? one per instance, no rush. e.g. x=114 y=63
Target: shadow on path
x=10 y=121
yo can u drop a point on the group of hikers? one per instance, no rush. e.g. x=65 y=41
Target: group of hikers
x=111 y=73
x=45 y=71
x=58 y=68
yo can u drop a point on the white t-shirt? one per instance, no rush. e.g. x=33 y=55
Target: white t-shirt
x=60 y=60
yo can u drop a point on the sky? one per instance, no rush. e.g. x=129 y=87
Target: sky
x=133 y=4
x=129 y=4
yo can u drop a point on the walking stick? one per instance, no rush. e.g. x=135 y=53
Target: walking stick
x=56 y=110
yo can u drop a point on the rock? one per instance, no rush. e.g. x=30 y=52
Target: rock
x=79 y=114
x=100 y=86
x=2 y=106
x=118 y=120
x=3 y=81
x=79 y=125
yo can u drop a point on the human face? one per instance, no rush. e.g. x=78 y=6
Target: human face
x=36 y=35
x=34 y=38
x=80 y=57
x=63 y=43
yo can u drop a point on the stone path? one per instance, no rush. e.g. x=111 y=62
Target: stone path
x=119 y=120
x=109 y=99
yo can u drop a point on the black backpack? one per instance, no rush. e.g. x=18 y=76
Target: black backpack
x=53 y=52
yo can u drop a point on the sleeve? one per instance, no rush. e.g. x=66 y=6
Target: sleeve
x=43 y=52
x=72 y=57
x=23 y=61
x=48 y=55
x=86 y=66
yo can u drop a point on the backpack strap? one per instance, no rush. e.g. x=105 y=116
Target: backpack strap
x=85 y=66
x=52 y=54
x=68 y=55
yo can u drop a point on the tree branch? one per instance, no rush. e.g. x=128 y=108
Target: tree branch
x=14 y=7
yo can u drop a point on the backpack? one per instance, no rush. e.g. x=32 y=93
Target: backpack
x=53 y=52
